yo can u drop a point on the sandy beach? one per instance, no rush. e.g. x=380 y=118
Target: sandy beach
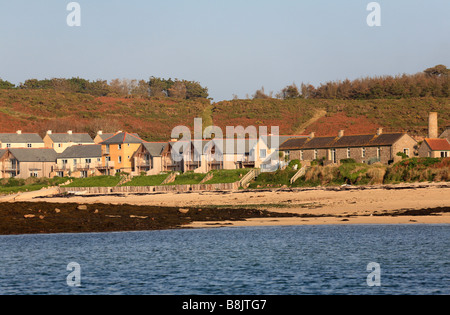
x=339 y=205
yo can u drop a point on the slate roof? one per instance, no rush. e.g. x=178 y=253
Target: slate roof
x=2 y=152
x=20 y=138
x=155 y=148
x=105 y=136
x=75 y=137
x=387 y=139
x=34 y=155
x=123 y=137
x=81 y=151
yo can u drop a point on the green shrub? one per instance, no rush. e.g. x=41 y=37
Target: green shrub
x=295 y=162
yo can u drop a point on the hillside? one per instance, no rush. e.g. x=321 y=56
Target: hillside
x=41 y=110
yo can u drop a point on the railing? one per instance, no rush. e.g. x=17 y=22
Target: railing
x=143 y=163
x=299 y=174
x=245 y=181
x=59 y=168
x=249 y=159
x=10 y=168
x=87 y=166
x=108 y=164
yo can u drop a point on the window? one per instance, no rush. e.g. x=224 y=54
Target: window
x=444 y=154
x=262 y=154
x=120 y=147
x=406 y=151
x=59 y=145
x=8 y=145
x=29 y=145
x=33 y=174
x=88 y=161
x=74 y=161
x=316 y=154
x=333 y=155
x=363 y=152
x=348 y=153
x=302 y=157
x=120 y=159
x=378 y=152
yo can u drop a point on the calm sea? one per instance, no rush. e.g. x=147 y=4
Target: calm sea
x=413 y=259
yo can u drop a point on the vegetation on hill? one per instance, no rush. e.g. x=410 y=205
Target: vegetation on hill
x=153 y=108
x=155 y=87
x=432 y=82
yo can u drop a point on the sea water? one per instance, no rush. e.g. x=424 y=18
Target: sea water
x=412 y=259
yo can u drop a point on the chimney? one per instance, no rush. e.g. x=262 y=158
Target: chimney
x=19 y=132
x=99 y=132
x=341 y=133
x=379 y=131
x=433 y=125
x=49 y=132
x=312 y=135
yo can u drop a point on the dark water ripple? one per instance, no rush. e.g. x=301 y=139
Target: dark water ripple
x=414 y=259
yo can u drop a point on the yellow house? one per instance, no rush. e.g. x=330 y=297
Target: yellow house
x=117 y=153
x=61 y=141
x=21 y=140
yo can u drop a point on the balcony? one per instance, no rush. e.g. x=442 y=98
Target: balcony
x=107 y=165
x=143 y=163
x=248 y=160
x=88 y=166
x=61 y=167
x=11 y=167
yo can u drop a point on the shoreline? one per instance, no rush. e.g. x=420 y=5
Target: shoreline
x=417 y=203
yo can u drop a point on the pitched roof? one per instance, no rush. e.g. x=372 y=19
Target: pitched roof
x=105 y=136
x=34 y=155
x=271 y=143
x=438 y=144
x=20 y=138
x=74 y=137
x=155 y=148
x=2 y=152
x=123 y=137
x=81 y=151
x=341 y=142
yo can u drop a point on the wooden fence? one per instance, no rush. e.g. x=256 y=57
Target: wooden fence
x=151 y=189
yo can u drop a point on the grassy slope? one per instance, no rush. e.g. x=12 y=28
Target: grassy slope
x=154 y=180
x=227 y=176
x=9 y=186
x=40 y=110
x=410 y=170
x=98 y=181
